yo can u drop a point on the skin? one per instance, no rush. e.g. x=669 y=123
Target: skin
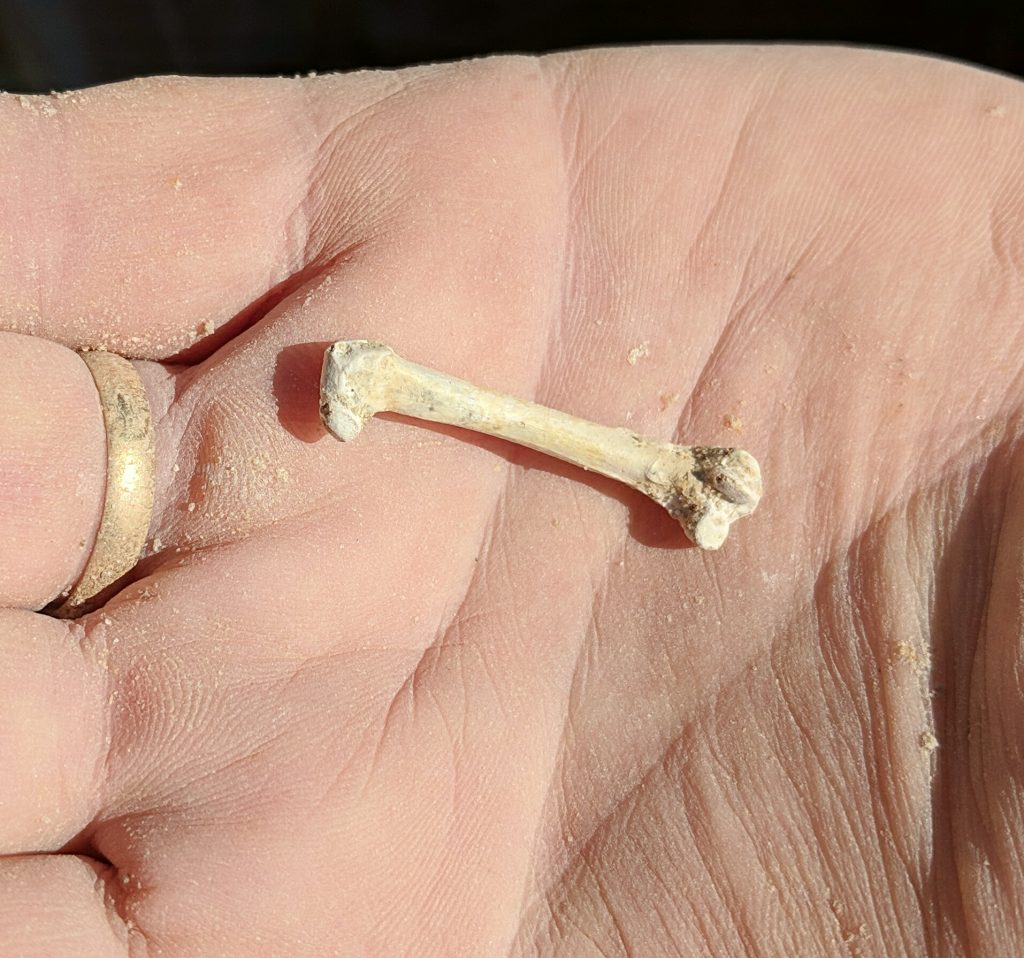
x=430 y=694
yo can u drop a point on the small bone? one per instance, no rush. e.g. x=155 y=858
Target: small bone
x=705 y=488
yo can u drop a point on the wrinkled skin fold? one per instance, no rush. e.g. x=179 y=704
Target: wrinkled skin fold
x=429 y=694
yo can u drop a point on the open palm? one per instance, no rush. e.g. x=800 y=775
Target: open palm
x=431 y=694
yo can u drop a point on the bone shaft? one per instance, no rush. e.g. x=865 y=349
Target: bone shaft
x=425 y=394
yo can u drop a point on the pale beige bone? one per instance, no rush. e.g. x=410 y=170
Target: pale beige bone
x=705 y=488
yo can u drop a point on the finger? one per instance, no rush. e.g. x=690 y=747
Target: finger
x=52 y=469
x=58 y=905
x=52 y=732
x=446 y=288
x=142 y=215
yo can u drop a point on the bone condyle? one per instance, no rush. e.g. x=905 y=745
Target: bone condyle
x=705 y=488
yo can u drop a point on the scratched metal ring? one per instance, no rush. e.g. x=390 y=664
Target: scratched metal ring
x=128 y=499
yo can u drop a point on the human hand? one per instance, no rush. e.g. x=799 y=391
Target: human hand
x=429 y=694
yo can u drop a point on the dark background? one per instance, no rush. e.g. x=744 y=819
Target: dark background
x=56 y=44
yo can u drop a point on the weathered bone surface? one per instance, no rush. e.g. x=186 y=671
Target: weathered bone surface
x=705 y=488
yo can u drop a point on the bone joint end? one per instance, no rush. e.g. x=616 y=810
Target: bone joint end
x=350 y=385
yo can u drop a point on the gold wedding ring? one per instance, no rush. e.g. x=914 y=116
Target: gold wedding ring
x=128 y=501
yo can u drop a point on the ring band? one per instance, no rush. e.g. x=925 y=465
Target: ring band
x=128 y=501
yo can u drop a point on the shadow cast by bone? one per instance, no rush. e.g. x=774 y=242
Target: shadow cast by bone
x=649 y=523
x=296 y=390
